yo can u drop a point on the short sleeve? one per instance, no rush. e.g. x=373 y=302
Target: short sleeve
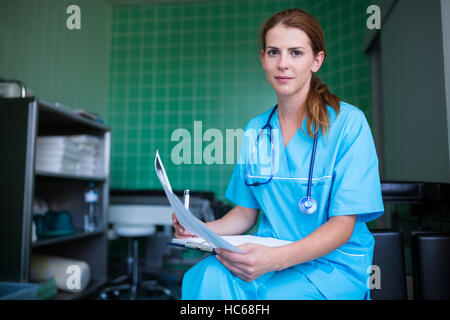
x=356 y=188
x=238 y=192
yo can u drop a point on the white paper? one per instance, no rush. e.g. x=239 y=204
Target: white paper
x=185 y=217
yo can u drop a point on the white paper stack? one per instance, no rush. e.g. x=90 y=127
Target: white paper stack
x=67 y=154
x=88 y=147
x=57 y=154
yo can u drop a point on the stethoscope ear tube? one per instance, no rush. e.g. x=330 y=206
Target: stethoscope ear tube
x=267 y=126
x=311 y=166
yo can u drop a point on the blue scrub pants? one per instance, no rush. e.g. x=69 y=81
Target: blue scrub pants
x=210 y=280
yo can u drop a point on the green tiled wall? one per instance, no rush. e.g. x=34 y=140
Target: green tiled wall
x=173 y=64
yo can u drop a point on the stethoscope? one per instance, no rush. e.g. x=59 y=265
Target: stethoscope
x=307 y=205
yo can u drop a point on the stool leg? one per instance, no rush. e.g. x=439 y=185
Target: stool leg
x=130 y=257
x=134 y=283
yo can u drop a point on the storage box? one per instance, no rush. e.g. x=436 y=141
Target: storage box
x=18 y=290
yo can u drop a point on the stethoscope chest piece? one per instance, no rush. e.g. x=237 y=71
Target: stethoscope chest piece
x=308 y=205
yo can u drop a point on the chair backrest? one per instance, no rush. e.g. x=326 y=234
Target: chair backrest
x=388 y=256
x=431 y=261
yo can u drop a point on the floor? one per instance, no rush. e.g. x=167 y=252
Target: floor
x=409 y=286
x=152 y=287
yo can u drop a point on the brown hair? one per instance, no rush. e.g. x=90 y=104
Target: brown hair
x=318 y=95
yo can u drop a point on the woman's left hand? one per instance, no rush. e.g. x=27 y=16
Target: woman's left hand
x=254 y=262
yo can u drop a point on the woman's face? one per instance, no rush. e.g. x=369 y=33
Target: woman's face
x=289 y=61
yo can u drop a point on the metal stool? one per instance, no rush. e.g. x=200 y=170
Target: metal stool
x=123 y=283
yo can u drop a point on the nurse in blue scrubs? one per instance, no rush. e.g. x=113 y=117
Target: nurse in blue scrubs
x=331 y=250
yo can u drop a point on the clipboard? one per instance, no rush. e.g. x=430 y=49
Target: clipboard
x=192 y=246
x=198 y=243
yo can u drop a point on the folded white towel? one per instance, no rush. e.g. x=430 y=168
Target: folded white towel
x=74 y=154
x=70 y=275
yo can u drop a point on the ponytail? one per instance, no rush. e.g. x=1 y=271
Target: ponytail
x=319 y=96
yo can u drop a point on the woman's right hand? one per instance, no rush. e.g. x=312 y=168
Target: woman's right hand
x=180 y=231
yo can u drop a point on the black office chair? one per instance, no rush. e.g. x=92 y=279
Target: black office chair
x=388 y=256
x=431 y=261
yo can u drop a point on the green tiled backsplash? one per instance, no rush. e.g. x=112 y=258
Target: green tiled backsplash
x=173 y=64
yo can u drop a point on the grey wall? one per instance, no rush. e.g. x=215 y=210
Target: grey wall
x=59 y=65
x=445 y=16
x=415 y=112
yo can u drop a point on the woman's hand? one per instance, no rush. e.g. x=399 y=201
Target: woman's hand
x=180 y=231
x=254 y=262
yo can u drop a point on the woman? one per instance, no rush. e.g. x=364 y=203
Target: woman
x=331 y=250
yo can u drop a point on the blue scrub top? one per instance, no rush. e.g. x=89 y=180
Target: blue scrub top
x=345 y=182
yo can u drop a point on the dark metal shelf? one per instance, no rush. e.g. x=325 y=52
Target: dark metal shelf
x=91 y=288
x=74 y=236
x=69 y=176
x=22 y=121
x=59 y=116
